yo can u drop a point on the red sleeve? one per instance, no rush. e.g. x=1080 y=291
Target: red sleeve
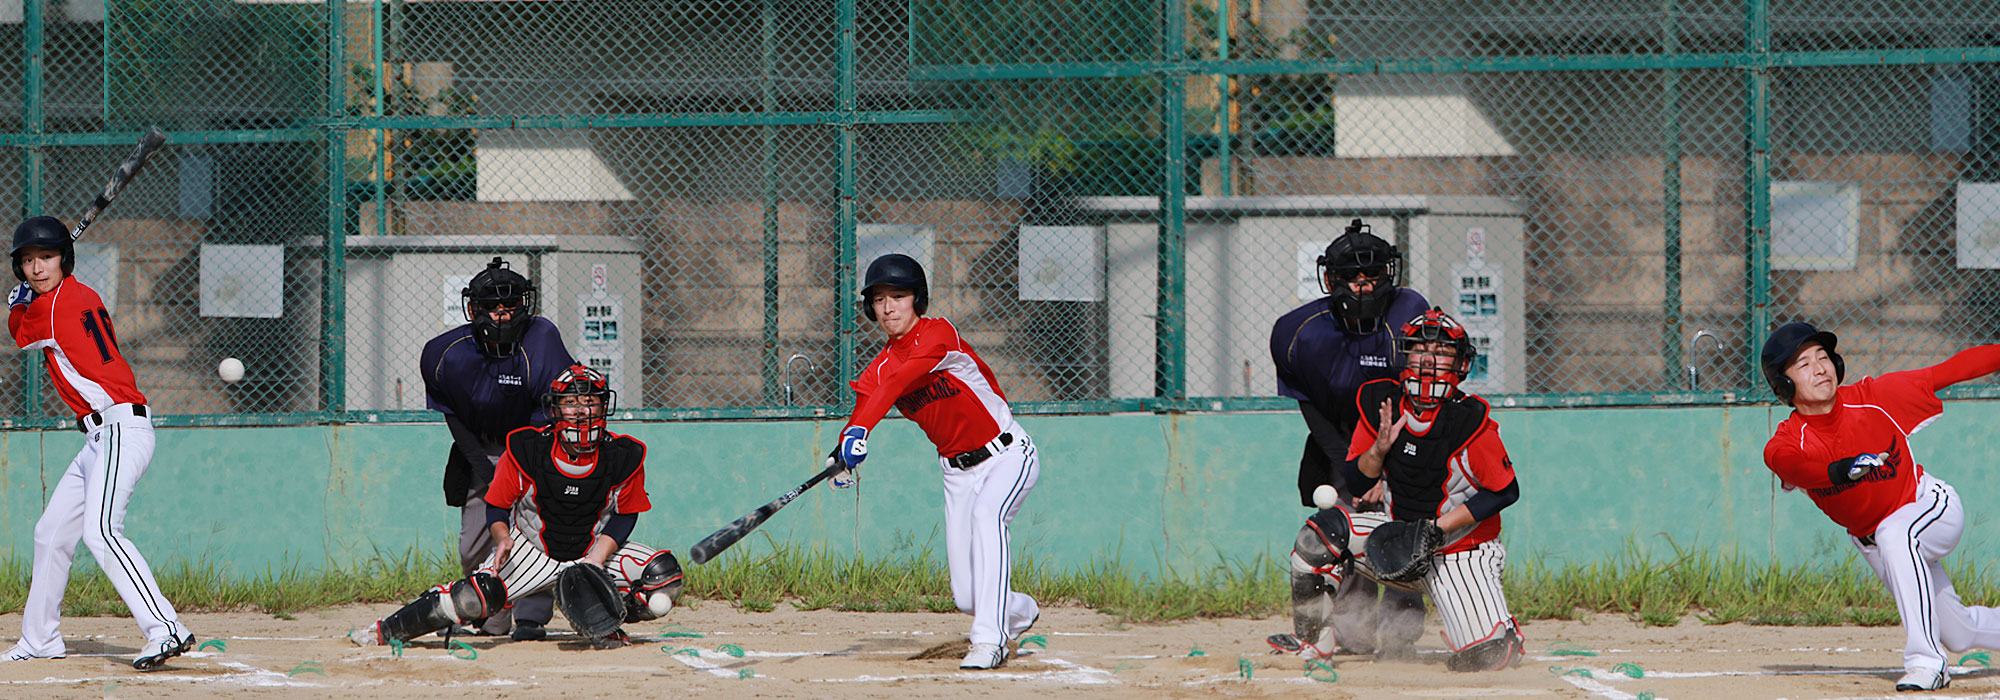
x=15 y=314
x=1491 y=466
x=1968 y=364
x=1792 y=461
x=507 y=481
x=869 y=408
x=1909 y=396
x=1364 y=438
x=30 y=323
x=632 y=494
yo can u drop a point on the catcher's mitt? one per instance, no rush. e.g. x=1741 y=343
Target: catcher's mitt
x=1400 y=550
x=589 y=598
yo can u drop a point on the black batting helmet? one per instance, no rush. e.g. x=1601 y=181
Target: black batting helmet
x=43 y=232
x=1359 y=253
x=899 y=271
x=1785 y=343
x=498 y=287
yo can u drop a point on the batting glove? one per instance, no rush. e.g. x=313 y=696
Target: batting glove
x=853 y=446
x=843 y=478
x=22 y=296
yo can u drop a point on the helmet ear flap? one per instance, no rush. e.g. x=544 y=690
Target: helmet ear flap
x=1839 y=368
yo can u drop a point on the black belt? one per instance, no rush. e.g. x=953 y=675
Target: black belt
x=86 y=422
x=971 y=458
x=1867 y=540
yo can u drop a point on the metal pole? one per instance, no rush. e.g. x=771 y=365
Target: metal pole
x=1757 y=183
x=768 y=157
x=1225 y=141
x=843 y=150
x=1670 y=196
x=1169 y=327
x=333 y=304
x=381 y=136
x=33 y=168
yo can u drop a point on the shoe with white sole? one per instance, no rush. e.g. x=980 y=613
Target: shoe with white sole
x=1923 y=679
x=21 y=653
x=368 y=636
x=984 y=657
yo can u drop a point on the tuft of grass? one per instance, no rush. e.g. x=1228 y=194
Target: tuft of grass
x=1713 y=588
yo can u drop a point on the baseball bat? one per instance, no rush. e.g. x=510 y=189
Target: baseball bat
x=726 y=537
x=127 y=169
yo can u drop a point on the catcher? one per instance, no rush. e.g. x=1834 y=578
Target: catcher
x=572 y=491
x=1438 y=451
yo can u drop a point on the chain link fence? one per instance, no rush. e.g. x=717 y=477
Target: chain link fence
x=1114 y=200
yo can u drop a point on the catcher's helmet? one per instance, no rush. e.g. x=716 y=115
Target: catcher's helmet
x=1426 y=384
x=43 y=232
x=1358 y=253
x=579 y=431
x=1785 y=343
x=899 y=271
x=499 y=288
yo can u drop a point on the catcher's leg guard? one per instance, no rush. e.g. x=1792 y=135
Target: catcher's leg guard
x=1493 y=654
x=656 y=586
x=1319 y=562
x=475 y=597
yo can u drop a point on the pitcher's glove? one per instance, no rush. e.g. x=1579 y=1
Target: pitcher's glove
x=589 y=598
x=1400 y=550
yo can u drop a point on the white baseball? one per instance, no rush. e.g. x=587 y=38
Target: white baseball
x=660 y=604
x=1324 y=497
x=230 y=370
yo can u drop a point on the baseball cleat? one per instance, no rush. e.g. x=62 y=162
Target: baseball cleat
x=525 y=631
x=157 y=651
x=984 y=656
x=1923 y=679
x=368 y=636
x=615 y=640
x=1288 y=644
x=21 y=653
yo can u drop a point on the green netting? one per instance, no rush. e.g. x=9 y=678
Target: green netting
x=1114 y=199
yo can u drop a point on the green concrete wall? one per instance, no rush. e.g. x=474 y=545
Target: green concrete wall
x=1174 y=493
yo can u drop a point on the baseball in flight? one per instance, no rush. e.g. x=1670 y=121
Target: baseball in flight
x=230 y=370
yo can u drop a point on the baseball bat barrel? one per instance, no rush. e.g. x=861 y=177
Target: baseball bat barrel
x=127 y=169
x=724 y=538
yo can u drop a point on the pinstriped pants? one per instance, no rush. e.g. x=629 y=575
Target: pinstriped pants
x=978 y=504
x=1465 y=586
x=529 y=570
x=1910 y=546
x=88 y=504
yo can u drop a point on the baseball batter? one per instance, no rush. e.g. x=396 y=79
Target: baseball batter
x=487 y=377
x=1324 y=351
x=564 y=495
x=989 y=464
x=1848 y=448
x=57 y=314
x=1438 y=452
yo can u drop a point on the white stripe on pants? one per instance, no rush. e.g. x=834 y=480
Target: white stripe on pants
x=88 y=503
x=529 y=570
x=1909 y=546
x=978 y=504
x=1465 y=586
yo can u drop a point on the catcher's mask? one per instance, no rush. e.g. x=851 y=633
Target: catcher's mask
x=1437 y=355
x=499 y=303
x=1358 y=256
x=577 y=403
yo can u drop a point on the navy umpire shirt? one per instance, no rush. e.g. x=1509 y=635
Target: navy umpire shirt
x=493 y=395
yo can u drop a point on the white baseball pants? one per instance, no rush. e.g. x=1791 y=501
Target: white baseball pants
x=530 y=570
x=1909 y=547
x=88 y=503
x=978 y=504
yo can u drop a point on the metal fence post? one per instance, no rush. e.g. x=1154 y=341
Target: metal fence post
x=1670 y=196
x=1169 y=327
x=768 y=169
x=1757 y=184
x=333 y=360
x=32 y=168
x=843 y=149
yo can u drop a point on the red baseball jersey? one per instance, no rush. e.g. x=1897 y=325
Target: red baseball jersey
x=1876 y=415
x=935 y=379
x=73 y=331
x=1481 y=464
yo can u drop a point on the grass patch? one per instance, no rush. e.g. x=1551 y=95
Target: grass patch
x=1712 y=588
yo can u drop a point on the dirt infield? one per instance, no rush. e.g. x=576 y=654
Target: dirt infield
x=714 y=650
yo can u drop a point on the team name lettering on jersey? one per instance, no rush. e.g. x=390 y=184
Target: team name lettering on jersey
x=1891 y=463
x=508 y=379
x=1373 y=361
x=914 y=401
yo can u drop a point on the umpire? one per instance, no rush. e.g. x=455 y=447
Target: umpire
x=486 y=378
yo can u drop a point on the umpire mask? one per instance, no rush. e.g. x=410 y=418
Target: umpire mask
x=499 y=302
x=1359 y=258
